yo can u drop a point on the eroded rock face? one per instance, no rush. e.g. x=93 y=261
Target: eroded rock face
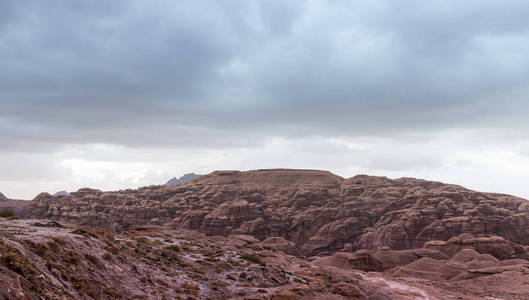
x=317 y=211
x=496 y=246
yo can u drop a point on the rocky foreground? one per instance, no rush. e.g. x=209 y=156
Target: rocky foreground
x=51 y=260
x=271 y=234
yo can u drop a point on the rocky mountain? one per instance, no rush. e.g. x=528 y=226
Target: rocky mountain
x=61 y=193
x=185 y=178
x=315 y=210
x=2 y=197
x=271 y=234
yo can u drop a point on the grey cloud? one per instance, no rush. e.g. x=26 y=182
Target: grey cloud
x=208 y=74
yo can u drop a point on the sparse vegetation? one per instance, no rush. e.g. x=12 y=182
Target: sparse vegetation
x=174 y=248
x=87 y=287
x=15 y=261
x=94 y=260
x=7 y=213
x=191 y=288
x=254 y=258
x=114 y=292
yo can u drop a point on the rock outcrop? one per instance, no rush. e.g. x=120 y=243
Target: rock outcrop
x=317 y=211
x=3 y=198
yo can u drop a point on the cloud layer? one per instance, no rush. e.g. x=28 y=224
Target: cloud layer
x=219 y=78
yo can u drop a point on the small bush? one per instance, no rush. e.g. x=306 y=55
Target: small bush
x=71 y=257
x=171 y=252
x=15 y=261
x=114 y=292
x=252 y=258
x=174 y=248
x=87 y=287
x=191 y=289
x=6 y=213
x=93 y=259
x=59 y=240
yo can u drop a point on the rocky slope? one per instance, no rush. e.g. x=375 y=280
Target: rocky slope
x=2 y=197
x=314 y=212
x=51 y=260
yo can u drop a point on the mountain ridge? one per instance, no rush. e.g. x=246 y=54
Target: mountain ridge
x=316 y=210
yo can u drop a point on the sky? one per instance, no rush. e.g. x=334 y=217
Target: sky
x=123 y=94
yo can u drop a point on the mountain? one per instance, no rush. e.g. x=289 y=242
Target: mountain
x=61 y=193
x=316 y=210
x=291 y=234
x=2 y=197
x=186 y=178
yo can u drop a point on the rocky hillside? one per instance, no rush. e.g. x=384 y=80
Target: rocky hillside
x=2 y=197
x=315 y=212
x=51 y=260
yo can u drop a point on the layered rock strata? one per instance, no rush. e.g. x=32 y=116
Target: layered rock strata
x=317 y=211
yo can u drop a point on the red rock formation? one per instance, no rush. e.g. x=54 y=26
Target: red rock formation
x=359 y=238
x=317 y=211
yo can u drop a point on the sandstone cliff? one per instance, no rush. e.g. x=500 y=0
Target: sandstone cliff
x=314 y=212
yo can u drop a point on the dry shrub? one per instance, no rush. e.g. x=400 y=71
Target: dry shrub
x=114 y=292
x=86 y=287
x=94 y=260
x=7 y=213
x=191 y=289
x=252 y=258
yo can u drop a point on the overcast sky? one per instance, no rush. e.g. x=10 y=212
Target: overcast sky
x=119 y=94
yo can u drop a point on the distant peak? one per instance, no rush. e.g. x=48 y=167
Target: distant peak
x=2 y=197
x=61 y=193
x=186 y=178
